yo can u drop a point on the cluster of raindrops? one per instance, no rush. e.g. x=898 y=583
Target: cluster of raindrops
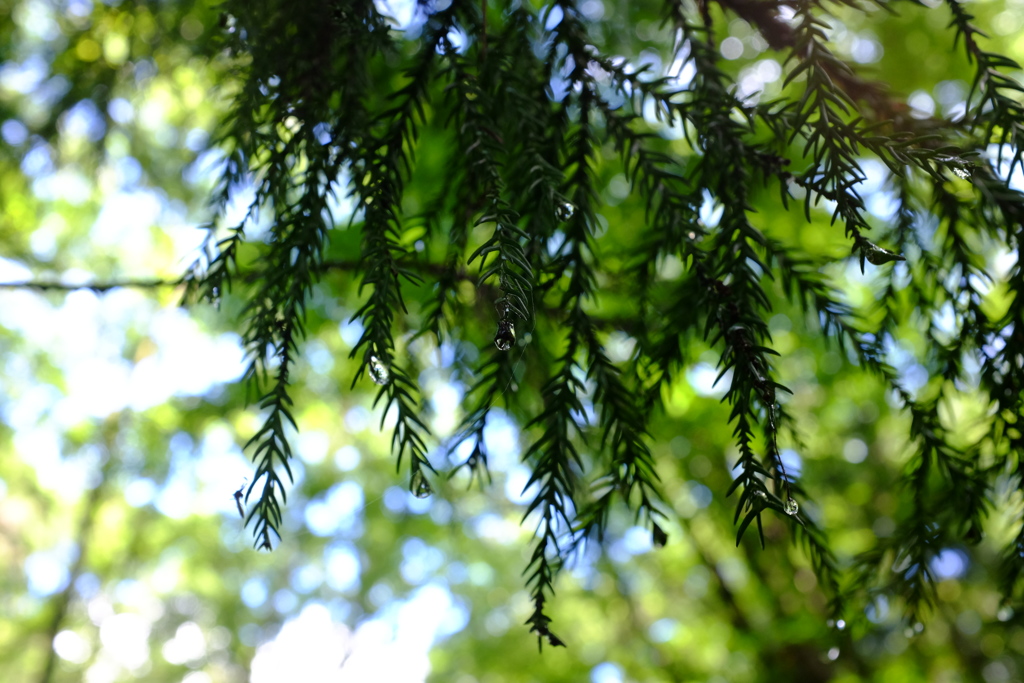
x=960 y=166
x=790 y=506
x=379 y=372
x=419 y=486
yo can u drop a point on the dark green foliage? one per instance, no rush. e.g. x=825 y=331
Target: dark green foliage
x=332 y=102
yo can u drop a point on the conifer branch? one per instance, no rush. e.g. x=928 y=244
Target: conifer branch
x=482 y=123
x=276 y=133
x=383 y=163
x=517 y=212
x=556 y=462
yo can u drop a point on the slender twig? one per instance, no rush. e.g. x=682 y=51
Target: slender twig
x=247 y=276
x=94 y=286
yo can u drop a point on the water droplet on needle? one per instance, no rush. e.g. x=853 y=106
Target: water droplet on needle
x=378 y=371
x=419 y=485
x=506 y=335
x=564 y=211
x=792 y=507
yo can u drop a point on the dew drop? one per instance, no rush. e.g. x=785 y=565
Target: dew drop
x=564 y=211
x=506 y=335
x=761 y=494
x=792 y=507
x=419 y=486
x=378 y=371
x=833 y=654
x=841 y=624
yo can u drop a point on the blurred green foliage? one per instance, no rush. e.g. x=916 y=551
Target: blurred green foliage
x=123 y=554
